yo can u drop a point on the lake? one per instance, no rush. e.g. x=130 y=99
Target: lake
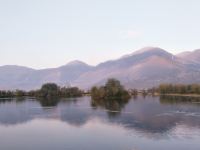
x=143 y=123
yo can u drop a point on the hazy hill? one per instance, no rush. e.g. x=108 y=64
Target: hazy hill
x=15 y=77
x=11 y=76
x=144 y=68
x=191 y=56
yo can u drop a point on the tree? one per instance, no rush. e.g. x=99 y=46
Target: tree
x=20 y=93
x=70 y=92
x=49 y=90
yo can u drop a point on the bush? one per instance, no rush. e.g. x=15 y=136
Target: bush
x=49 y=90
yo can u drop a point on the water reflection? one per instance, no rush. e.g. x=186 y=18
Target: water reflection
x=10 y=100
x=49 y=102
x=151 y=115
x=113 y=107
x=166 y=99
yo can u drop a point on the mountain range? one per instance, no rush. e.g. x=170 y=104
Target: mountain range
x=147 y=67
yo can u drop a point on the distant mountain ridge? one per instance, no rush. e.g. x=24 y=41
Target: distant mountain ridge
x=192 y=55
x=144 y=68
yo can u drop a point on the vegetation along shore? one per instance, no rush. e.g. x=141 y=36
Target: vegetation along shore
x=111 y=90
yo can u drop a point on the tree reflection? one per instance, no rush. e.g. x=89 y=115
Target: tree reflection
x=49 y=102
x=168 y=99
x=112 y=106
x=148 y=116
x=6 y=100
x=11 y=100
x=20 y=99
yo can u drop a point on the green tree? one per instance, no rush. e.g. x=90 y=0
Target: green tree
x=49 y=90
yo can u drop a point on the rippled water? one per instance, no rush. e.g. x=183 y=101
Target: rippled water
x=150 y=123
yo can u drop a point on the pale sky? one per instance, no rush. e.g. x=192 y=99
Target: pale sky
x=50 y=33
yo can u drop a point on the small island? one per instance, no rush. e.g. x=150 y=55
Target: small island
x=112 y=97
x=113 y=90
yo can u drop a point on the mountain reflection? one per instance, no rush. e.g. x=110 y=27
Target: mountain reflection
x=147 y=115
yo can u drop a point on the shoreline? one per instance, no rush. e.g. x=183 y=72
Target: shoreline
x=183 y=95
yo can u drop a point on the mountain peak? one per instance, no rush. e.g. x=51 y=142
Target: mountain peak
x=76 y=63
x=149 y=49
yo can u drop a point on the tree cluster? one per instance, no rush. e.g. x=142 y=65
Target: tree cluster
x=47 y=90
x=112 y=90
x=53 y=90
x=17 y=93
x=179 y=89
x=4 y=94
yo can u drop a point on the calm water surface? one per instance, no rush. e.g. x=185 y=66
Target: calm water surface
x=150 y=123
